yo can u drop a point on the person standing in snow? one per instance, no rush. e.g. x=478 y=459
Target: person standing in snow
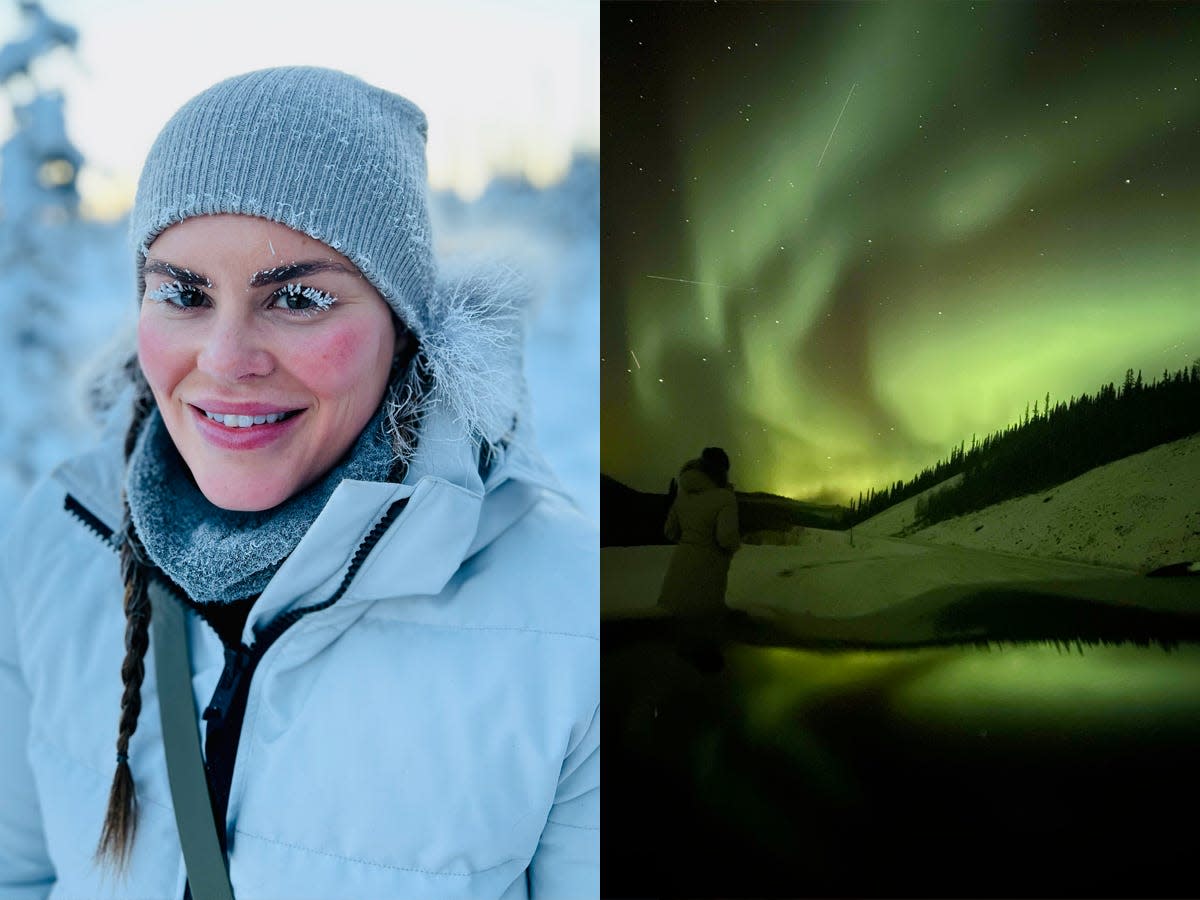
x=703 y=524
x=323 y=461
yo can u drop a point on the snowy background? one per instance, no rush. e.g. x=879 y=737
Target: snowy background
x=66 y=277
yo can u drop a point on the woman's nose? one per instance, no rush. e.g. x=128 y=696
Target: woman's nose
x=234 y=350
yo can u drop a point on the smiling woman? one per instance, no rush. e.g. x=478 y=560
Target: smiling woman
x=263 y=382
x=389 y=609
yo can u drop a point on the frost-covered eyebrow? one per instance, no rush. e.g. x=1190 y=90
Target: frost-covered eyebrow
x=184 y=276
x=292 y=271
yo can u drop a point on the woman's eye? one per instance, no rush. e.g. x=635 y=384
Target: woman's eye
x=301 y=299
x=178 y=294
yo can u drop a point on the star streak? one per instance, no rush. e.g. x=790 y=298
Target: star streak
x=727 y=287
x=835 y=124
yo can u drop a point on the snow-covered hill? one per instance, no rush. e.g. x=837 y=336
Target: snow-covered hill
x=1137 y=513
x=899 y=517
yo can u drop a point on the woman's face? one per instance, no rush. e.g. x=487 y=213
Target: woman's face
x=267 y=353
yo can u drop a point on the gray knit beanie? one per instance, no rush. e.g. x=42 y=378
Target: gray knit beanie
x=342 y=161
x=317 y=150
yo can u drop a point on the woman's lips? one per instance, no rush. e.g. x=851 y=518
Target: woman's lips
x=253 y=435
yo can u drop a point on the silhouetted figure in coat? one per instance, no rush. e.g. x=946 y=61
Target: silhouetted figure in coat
x=703 y=521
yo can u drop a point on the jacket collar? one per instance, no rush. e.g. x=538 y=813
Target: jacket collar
x=96 y=479
x=451 y=514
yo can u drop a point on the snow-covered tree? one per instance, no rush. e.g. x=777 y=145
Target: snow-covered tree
x=38 y=162
x=53 y=307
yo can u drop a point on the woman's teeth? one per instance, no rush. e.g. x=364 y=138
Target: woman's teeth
x=245 y=421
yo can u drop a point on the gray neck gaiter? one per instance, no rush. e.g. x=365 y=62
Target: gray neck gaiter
x=218 y=555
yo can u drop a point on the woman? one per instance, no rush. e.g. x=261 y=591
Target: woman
x=703 y=522
x=391 y=612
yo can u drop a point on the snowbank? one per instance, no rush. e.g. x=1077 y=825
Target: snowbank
x=827 y=576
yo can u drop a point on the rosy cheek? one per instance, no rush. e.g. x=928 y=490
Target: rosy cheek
x=341 y=358
x=162 y=357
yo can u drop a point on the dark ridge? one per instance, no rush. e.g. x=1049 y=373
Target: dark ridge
x=630 y=518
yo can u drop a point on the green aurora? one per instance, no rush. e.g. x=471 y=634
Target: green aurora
x=910 y=220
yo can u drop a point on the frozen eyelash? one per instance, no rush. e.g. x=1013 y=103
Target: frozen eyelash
x=168 y=291
x=173 y=291
x=319 y=299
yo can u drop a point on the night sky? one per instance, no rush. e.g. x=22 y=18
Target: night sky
x=908 y=221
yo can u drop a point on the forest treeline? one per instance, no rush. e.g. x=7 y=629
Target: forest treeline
x=1052 y=444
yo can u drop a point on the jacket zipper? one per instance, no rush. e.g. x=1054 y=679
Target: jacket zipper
x=226 y=710
x=90 y=520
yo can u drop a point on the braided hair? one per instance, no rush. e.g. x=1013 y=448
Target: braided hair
x=120 y=821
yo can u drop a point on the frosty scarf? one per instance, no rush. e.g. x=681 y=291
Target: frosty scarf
x=219 y=555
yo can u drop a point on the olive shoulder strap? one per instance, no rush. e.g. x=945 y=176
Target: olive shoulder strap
x=207 y=869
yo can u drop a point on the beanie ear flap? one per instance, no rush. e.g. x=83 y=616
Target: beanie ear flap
x=474 y=351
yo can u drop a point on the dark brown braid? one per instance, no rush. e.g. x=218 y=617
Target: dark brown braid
x=120 y=822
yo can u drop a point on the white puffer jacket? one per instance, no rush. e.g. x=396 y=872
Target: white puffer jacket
x=434 y=733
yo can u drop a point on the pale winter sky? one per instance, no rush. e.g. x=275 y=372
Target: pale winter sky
x=508 y=87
